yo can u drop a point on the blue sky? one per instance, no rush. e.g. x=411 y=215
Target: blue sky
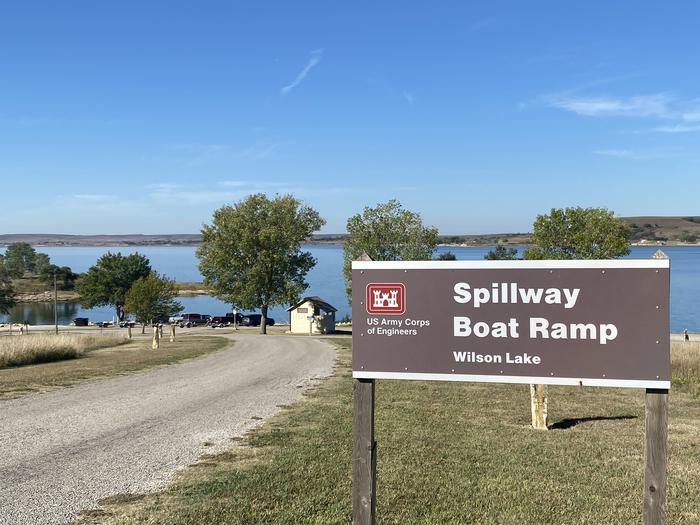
x=144 y=117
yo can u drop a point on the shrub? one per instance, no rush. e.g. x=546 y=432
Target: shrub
x=689 y=237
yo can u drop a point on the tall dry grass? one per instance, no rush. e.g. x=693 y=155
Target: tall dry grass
x=685 y=366
x=42 y=348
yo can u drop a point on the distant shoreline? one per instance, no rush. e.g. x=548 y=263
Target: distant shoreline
x=481 y=243
x=645 y=231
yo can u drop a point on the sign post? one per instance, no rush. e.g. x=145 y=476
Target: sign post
x=655 y=449
x=574 y=322
x=364 y=453
x=655 y=445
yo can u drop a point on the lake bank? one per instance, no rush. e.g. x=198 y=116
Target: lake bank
x=184 y=289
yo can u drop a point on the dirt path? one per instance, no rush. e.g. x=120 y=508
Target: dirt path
x=64 y=450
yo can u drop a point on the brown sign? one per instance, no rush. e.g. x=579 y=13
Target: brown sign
x=598 y=323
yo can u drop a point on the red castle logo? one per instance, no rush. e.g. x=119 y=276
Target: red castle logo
x=386 y=298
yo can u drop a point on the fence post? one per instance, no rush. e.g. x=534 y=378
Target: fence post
x=364 y=453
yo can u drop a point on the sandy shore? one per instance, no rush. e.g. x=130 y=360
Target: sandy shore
x=70 y=295
x=46 y=297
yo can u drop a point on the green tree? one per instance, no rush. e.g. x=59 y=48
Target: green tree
x=152 y=298
x=578 y=233
x=6 y=291
x=446 y=256
x=65 y=277
x=107 y=282
x=501 y=253
x=387 y=232
x=41 y=263
x=251 y=256
x=19 y=259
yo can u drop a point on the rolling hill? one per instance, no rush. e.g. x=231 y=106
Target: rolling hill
x=644 y=229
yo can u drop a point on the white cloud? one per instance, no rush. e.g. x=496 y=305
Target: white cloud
x=165 y=186
x=692 y=116
x=314 y=59
x=658 y=105
x=234 y=183
x=619 y=153
x=677 y=128
x=165 y=194
x=259 y=153
x=93 y=197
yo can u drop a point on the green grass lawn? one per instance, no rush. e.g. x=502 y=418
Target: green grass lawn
x=447 y=453
x=129 y=357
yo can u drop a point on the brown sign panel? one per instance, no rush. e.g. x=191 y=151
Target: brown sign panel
x=598 y=323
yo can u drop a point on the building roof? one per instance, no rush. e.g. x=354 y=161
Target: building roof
x=317 y=301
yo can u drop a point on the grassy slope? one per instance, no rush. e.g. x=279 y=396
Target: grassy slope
x=670 y=228
x=106 y=362
x=448 y=453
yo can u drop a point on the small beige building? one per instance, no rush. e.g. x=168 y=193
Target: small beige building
x=312 y=313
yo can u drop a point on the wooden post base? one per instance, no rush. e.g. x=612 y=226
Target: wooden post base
x=364 y=453
x=538 y=406
x=655 y=449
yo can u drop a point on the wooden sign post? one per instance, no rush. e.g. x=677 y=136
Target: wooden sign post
x=655 y=449
x=364 y=453
x=655 y=445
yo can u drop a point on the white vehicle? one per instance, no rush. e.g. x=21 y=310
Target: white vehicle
x=175 y=319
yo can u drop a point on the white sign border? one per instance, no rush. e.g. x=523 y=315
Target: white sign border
x=535 y=380
x=548 y=264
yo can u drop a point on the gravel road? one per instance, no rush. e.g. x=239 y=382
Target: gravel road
x=64 y=450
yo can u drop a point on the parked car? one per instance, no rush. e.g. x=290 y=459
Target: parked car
x=175 y=319
x=220 y=321
x=127 y=323
x=80 y=321
x=189 y=320
x=255 y=320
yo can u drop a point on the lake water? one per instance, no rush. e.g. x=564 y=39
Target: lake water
x=326 y=280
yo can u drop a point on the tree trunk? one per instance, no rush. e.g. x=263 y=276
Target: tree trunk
x=263 y=320
x=143 y=328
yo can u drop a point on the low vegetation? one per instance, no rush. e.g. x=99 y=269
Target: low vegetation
x=448 y=453
x=107 y=361
x=685 y=366
x=191 y=288
x=43 y=348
